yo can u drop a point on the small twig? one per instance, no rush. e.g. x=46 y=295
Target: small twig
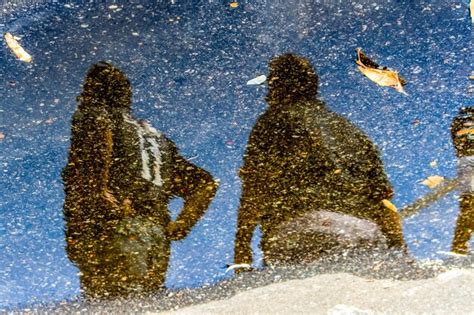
x=431 y=197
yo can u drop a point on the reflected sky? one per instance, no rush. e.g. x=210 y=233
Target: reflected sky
x=189 y=62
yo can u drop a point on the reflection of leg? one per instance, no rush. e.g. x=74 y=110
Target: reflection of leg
x=98 y=281
x=464 y=224
x=390 y=225
x=248 y=218
x=158 y=266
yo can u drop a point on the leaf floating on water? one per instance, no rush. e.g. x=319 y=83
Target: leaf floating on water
x=258 y=80
x=17 y=50
x=433 y=181
x=238 y=266
x=234 y=4
x=388 y=204
x=2 y=136
x=471 y=6
x=380 y=75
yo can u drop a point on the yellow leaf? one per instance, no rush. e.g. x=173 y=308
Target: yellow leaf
x=234 y=4
x=388 y=204
x=433 y=181
x=382 y=77
x=472 y=10
x=17 y=50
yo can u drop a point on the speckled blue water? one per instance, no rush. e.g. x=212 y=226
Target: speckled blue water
x=189 y=62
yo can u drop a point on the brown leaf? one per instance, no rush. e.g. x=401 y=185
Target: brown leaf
x=381 y=76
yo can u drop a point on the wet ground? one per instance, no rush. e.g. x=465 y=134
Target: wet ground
x=189 y=62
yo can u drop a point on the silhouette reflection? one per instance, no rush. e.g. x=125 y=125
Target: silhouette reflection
x=120 y=177
x=305 y=166
x=462 y=131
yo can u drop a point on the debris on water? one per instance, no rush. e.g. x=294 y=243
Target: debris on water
x=434 y=164
x=234 y=4
x=382 y=76
x=2 y=136
x=15 y=47
x=238 y=266
x=471 y=6
x=258 y=80
x=433 y=181
x=389 y=205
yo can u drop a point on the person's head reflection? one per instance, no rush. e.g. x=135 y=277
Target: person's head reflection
x=106 y=86
x=292 y=79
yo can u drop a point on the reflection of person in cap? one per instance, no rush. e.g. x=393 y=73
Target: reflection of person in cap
x=462 y=131
x=301 y=158
x=120 y=177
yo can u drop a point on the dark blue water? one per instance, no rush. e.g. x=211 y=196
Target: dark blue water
x=189 y=63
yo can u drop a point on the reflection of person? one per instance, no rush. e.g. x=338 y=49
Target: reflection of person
x=462 y=131
x=301 y=158
x=120 y=176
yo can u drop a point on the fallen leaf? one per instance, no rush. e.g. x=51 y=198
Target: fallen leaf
x=258 y=80
x=471 y=6
x=17 y=50
x=2 y=136
x=234 y=4
x=381 y=76
x=388 y=204
x=433 y=181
